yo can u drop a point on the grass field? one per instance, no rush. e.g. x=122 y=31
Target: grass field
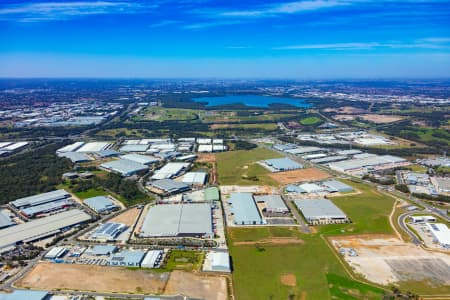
x=262 y=126
x=317 y=271
x=91 y=193
x=241 y=167
x=184 y=260
x=310 y=120
x=168 y=114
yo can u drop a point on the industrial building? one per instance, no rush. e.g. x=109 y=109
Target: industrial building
x=94 y=147
x=273 y=203
x=70 y=148
x=311 y=188
x=195 y=178
x=421 y=219
x=25 y=294
x=152 y=259
x=440 y=233
x=216 y=261
x=321 y=211
x=127 y=258
x=281 y=164
x=170 y=170
x=304 y=150
x=75 y=157
x=124 y=167
x=134 y=148
x=244 y=210
x=101 y=250
x=364 y=165
x=442 y=184
x=5 y=220
x=142 y=159
x=178 y=220
x=333 y=186
x=108 y=232
x=41 y=228
x=40 y=199
x=101 y=204
x=168 y=187
x=55 y=253
x=49 y=207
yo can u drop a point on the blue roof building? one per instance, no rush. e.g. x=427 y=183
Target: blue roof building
x=282 y=164
x=244 y=209
x=127 y=258
x=22 y=294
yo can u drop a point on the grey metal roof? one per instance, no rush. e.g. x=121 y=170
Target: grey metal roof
x=134 y=148
x=274 y=202
x=319 y=208
x=124 y=166
x=142 y=159
x=328 y=159
x=366 y=162
x=22 y=294
x=41 y=227
x=283 y=164
x=109 y=231
x=100 y=203
x=194 y=178
x=244 y=209
x=337 y=186
x=101 y=250
x=75 y=157
x=127 y=257
x=170 y=186
x=46 y=207
x=178 y=219
x=5 y=220
x=41 y=198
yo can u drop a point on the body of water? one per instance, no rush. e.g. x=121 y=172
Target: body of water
x=251 y=100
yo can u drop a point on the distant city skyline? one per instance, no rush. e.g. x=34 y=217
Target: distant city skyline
x=313 y=39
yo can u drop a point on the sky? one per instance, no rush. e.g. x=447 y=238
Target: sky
x=311 y=39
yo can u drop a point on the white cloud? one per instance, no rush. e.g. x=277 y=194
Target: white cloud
x=46 y=11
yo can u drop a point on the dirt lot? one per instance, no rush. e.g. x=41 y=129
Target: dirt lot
x=50 y=276
x=255 y=189
x=385 y=259
x=129 y=217
x=288 y=279
x=346 y=110
x=344 y=117
x=197 y=286
x=310 y=174
x=381 y=119
x=206 y=157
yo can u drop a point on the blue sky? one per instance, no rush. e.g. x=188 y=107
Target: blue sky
x=260 y=39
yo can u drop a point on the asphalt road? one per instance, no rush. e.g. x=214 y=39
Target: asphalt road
x=402 y=222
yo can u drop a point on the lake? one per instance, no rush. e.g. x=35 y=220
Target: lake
x=252 y=100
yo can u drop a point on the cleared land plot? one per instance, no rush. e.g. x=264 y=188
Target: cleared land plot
x=205 y=157
x=50 y=276
x=262 y=126
x=129 y=217
x=385 y=259
x=381 y=119
x=301 y=175
x=310 y=120
x=304 y=270
x=197 y=286
x=241 y=167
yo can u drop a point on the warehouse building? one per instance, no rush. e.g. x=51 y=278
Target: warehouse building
x=321 y=211
x=281 y=164
x=195 y=178
x=124 y=167
x=94 y=147
x=311 y=188
x=101 y=250
x=442 y=184
x=333 y=186
x=41 y=228
x=134 y=148
x=152 y=259
x=304 y=150
x=273 y=204
x=127 y=258
x=55 y=253
x=170 y=170
x=75 y=157
x=142 y=159
x=38 y=210
x=101 y=204
x=440 y=233
x=216 y=261
x=5 y=220
x=422 y=219
x=25 y=294
x=364 y=165
x=178 y=220
x=168 y=187
x=40 y=199
x=108 y=232
x=70 y=148
x=244 y=210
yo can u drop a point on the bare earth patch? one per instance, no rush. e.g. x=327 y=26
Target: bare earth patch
x=51 y=276
x=381 y=119
x=197 y=286
x=129 y=217
x=206 y=157
x=288 y=279
x=385 y=259
x=309 y=174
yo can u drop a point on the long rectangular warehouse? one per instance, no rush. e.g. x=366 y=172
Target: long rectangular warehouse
x=320 y=211
x=40 y=228
x=244 y=209
x=40 y=199
x=178 y=220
